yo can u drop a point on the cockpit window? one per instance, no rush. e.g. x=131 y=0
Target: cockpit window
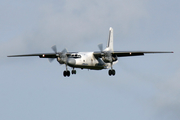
x=75 y=56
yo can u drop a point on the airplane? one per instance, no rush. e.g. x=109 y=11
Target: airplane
x=98 y=60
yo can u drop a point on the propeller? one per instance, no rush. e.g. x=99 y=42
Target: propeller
x=100 y=47
x=55 y=51
x=63 y=56
x=106 y=55
x=54 y=48
x=51 y=59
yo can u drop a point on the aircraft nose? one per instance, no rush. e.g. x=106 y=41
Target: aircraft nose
x=71 y=61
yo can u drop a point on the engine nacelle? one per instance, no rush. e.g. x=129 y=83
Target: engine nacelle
x=105 y=59
x=60 y=60
x=109 y=59
x=114 y=58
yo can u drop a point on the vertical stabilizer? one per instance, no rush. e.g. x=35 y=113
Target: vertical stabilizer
x=110 y=40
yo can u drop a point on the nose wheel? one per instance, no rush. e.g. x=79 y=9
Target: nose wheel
x=73 y=71
x=112 y=72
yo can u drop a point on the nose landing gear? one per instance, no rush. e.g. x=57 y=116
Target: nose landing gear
x=73 y=71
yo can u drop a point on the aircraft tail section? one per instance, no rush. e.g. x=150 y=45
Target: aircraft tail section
x=110 y=40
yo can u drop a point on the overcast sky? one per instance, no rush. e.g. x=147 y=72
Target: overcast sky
x=144 y=88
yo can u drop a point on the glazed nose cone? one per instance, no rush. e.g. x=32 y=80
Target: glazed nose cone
x=71 y=61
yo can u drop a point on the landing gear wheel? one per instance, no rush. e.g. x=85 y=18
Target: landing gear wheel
x=112 y=72
x=73 y=71
x=66 y=73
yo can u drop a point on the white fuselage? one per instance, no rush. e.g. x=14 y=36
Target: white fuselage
x=86 y=60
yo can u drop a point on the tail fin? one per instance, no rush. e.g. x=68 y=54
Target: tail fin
x=110 y=41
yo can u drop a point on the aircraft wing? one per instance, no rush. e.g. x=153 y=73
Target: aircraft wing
x=41 y=55
x=128 y=53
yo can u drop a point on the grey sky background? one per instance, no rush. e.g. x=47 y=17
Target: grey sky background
x=144 y=87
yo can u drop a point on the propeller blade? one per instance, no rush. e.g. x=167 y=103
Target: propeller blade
x=100 y=47
x=64 y=56
x=54 y=48
x=64 y=51
x=50 y=59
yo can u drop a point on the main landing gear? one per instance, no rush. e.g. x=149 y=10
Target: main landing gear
x=67 y=72
x=112 y=72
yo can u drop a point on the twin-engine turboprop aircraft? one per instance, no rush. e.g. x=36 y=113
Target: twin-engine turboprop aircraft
x=103 y=59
